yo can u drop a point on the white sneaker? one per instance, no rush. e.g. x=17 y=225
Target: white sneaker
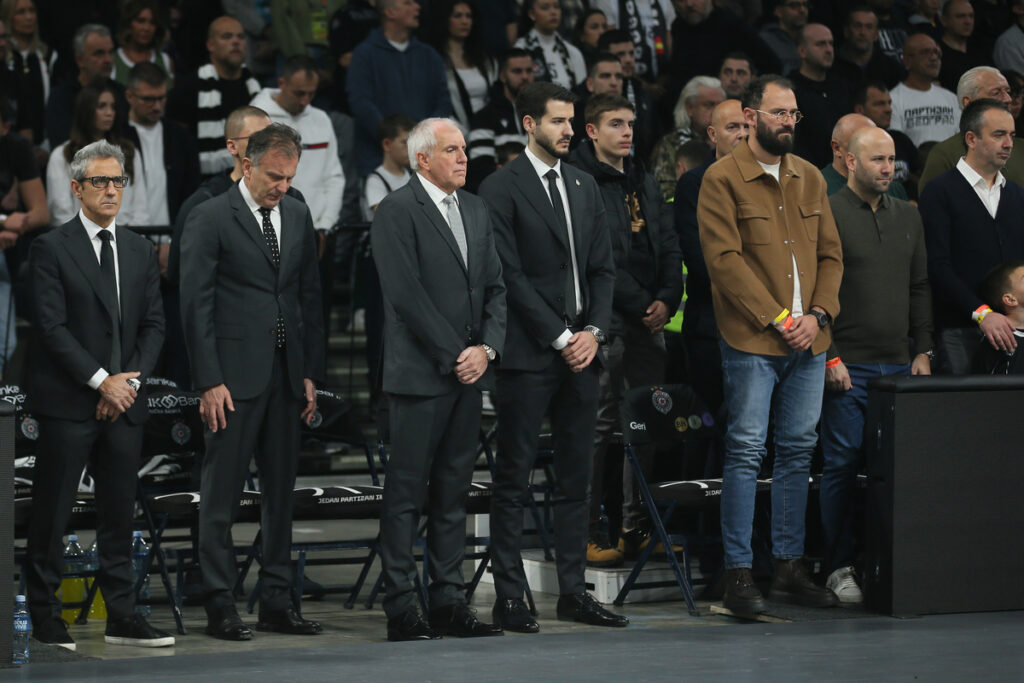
x=842 y=583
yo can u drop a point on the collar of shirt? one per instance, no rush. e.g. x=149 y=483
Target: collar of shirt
x=974 y=178
x=540 y=167
x=855 y=200
x=436 y=194
x=93 y=230
x=251 y=203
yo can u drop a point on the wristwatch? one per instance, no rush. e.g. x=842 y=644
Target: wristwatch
x=598 y=334
x=133 y=383
x=823 y=319
x=491 y=353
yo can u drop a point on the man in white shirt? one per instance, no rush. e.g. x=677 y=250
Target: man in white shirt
x=1008 y=53
x=921 y=109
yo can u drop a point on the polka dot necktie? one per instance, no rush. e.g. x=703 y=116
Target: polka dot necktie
x=275 y=254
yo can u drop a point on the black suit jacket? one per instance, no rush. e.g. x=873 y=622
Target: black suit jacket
x=231 y=294
x=181 y=160
x=536 y=261
x=74 y=321
x=433 y=306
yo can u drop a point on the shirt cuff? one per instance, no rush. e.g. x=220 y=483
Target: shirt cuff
x=96 y=380
x=562 y=341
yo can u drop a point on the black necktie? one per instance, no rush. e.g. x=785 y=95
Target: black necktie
x=556 y=204
x=275 y=253
x=109 y=277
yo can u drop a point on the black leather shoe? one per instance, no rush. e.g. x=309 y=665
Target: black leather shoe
x=792 y=585
x=460 y=620
x=584 y=608
x=410 y=626
x=135 y=630
x=225 y=624
x=513 y=615
x=287 y=621
x=53 y=631
x=741 y=596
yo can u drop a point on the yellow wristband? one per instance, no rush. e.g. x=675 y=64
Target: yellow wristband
x=781 y=316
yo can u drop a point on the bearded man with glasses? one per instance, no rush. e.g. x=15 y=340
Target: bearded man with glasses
x=775 y=263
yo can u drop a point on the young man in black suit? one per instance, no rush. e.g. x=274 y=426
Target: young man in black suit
x=250 y=301
x=556 y=258
x=444 y=312
x=100 y=325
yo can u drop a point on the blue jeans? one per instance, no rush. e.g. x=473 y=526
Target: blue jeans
x=789 y=388
x=842 y=433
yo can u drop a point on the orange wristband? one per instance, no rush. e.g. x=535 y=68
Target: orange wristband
x=980 y=312
x=834 y=362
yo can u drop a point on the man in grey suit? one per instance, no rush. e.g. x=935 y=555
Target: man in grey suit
x=250 y=301
x=444 y=312
x=556 y=257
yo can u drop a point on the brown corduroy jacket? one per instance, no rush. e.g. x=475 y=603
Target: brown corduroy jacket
x=751 y=227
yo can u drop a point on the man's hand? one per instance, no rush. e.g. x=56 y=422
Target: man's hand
x=580 y=350
x=922 y=364
x=657 y=316
x=999 y=331
x=117 y=391
x=837 y=378
x=802 y=333
x=105 y=410
x=17 y=221
x=8 y=238
x=213 y=406
x=310 y=409
x=471 y=364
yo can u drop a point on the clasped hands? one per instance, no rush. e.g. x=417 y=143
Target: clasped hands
x=116 y=396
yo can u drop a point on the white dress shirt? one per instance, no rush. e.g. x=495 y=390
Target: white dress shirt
x=437 y=195
x=275 y=213
x=989 y=196
x=541 y=168
x=93 y=231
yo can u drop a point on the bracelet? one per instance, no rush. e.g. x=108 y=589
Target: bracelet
x=832 y=363
x=781 y=316
x=785 y=324
x=980 y=312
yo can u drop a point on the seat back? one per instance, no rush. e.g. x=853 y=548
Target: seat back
x=660 y=413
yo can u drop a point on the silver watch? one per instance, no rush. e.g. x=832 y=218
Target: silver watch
x=133 y=383
x=491 y=353
x=600 y=336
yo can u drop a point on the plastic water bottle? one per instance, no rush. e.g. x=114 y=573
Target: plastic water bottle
x=98 y=608
x=22 y=631
x=140 y=560
x=73 y=589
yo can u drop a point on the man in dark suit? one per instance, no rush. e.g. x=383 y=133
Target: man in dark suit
x=98 y=319
x=560 y=284
x=444 y=311
x=250 y=300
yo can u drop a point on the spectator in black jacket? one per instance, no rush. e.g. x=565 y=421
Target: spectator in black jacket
x=647 y=131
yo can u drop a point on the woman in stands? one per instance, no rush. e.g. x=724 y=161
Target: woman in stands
x=31 y=62
x=471 y=71
x=554 y=59
x=141 y=33
x=588 y=31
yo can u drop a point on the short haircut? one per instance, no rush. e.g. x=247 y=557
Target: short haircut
x=505 y=151
x=101 y=149
x=613 y=36
x=148 y=73
x=533 y=99
x=235 y=121
x=996 y=283
x=738 y=55
x=423 y=138
x=860 y=95
x=83 y=33
x=755 y=91
x=275 y=136
x=392 y=125
x=296 y=64
x=693 y=152
x=383 y=6
x=602 y=58
x=973 y=116
x=513 y=53
x=601 y=104
x=968 y=86
x=857 y=9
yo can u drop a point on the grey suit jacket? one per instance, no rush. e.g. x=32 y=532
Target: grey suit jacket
x=434 y=307
x=231 y=294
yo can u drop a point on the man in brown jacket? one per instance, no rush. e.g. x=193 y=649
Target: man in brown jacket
x=775 y=263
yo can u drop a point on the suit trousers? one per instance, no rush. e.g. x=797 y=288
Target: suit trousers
x=266 y=426
x=433 y=448
x=63 y=448
x=523 y=400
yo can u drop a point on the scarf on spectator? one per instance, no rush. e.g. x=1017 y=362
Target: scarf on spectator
x=540 y=64
x=648 y=41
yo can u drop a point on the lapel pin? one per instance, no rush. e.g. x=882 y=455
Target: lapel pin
x=577 y=182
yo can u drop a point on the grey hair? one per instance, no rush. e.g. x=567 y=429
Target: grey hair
x=967 y=86
x=423 y=138
x=275 y=136
x=101 y=149
x=86 y=30
x=689 y=93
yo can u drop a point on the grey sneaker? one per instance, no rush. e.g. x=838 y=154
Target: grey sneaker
x=844 y=585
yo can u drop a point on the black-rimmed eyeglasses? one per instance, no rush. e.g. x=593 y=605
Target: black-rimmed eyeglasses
x=100 y=182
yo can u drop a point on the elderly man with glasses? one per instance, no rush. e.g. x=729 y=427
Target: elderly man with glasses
x=775 y=263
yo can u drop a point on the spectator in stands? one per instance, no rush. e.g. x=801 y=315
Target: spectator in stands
x=392 y=72
x=883 y=260
x=203 y=100
x=60 y=22
x=922 y=109
x=300 y=28
x=773 y=316
x=860 y=58
x=892 y=32
x=783 y=36
x=141 y=34
x=470 y=70
x=647 y=129
x=349 y=26
x=94 y=53
x=873 y=101
x=648 y=289
x=648 y=23
x=1003 y=290
x=691 y=155
x=86 y=383
x=498 y=122
x=94 y=117
x=978 y=83
x=393 y=172
x=959 y=53
x=735 y=73
x=554 y=59
x=319 y=176
x=836 y=173
x=604 y=76
x=972 y=223
x=587 y=32
x=1008 y=53
x=31 y=63
x=926 y=19
x=1016 y=82
x=821 y=95
x=692 y=116
x=572 y=10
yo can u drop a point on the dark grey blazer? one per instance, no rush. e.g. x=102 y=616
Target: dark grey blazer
x=433 y=306
x=536 y=261
x=74 y=320
x=231 y=294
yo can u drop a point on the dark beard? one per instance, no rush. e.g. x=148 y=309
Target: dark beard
x=550 y=148
x=772 y=143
